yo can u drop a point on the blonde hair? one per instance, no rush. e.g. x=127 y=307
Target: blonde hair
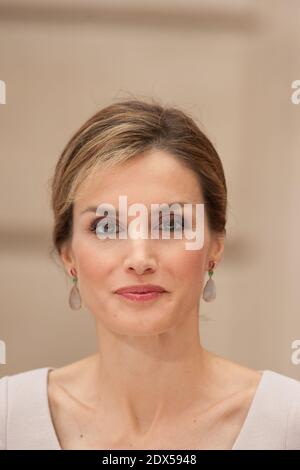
x=122 y=131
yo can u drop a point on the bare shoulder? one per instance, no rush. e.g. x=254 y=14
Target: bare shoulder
x=67 y=382
x=70 y=372
x=235 y=385
x=233 y=374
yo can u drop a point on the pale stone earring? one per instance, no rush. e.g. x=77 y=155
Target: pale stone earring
x=74 y=297
x=209 y=291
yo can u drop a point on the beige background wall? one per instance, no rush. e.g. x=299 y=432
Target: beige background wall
x=228 y=63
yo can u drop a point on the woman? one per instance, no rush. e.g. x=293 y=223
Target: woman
x=151 y=384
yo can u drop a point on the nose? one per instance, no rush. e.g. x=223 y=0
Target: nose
x=139 y=259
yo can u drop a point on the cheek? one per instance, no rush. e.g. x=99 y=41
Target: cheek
x=94 y=263
x=188 y=266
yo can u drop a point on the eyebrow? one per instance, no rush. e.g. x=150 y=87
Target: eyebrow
x=94 y=208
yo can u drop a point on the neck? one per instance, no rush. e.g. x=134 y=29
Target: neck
x=149 y=380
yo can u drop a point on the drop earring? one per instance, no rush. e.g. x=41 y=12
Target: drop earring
x=209 y=292
x=74 y=297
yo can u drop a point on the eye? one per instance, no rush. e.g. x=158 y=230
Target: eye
x=101 y=226
x=175 y=223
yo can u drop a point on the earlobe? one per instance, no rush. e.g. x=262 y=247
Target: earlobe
x=217 y=250
x=67 y=258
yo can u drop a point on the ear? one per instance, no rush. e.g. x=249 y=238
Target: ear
x=67 y=257
x=216 y=250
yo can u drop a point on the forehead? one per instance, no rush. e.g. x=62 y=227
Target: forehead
x=154 y=177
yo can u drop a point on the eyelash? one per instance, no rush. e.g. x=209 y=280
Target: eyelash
x=93 y=225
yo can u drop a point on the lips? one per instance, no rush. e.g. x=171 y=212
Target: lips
x=140 y=289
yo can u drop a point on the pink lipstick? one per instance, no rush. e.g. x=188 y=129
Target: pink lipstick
x=141 y=293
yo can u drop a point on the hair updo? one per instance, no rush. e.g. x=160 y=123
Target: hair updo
x=123 y=130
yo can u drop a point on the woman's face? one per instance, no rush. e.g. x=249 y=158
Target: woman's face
x=105 y=265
